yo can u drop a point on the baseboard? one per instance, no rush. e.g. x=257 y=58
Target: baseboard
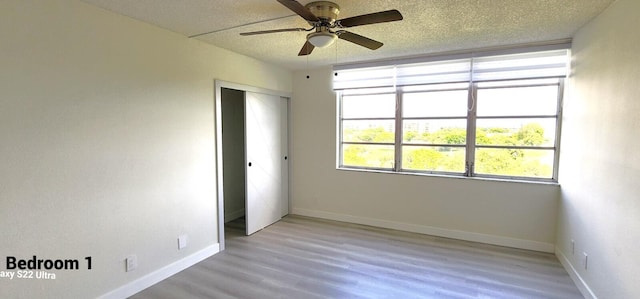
x=233 y=215
x=430 y=230
x=165 y=272
x=575 y=276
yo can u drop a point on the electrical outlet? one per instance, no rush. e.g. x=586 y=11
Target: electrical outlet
x=182 y=241
x=131 y=262
x=586 y=260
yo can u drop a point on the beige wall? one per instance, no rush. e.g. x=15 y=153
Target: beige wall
x=106 y=142
x=600 y=165
x=512 y=214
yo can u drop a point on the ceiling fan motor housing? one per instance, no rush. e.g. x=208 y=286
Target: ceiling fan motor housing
x=326 y=11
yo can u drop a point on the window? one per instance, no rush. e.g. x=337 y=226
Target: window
x=485 y=116
x=516 y=124
x=434 y=128
x=368 y=135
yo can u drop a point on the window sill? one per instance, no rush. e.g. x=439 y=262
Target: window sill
x=447 y=176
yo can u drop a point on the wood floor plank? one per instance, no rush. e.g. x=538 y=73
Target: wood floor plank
x=301 y=257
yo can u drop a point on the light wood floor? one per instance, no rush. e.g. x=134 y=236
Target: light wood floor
x=301 y=257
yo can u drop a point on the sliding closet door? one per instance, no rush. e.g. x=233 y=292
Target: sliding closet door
x=263 y=160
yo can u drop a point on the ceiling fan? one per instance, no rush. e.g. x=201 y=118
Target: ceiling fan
x=322 y=15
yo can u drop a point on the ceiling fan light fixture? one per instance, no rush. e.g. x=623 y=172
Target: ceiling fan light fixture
x=321 y=39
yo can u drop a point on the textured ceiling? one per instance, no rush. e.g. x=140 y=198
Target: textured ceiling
x=429 y=26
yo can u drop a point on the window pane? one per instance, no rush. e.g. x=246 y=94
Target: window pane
x=516 y=101
x=435 y=131
x=516 y=131
x=364 y=155
x=515 y=162
x=435 y=104
x=368 y=131
x=369 y=106
x=433 y=158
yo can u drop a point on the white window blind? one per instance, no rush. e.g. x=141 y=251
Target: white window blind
x=364 y=78
x=433 y=72
x=477 y=67
x=544 y=64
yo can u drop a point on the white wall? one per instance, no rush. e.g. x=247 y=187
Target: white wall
x=506 y=213
x=107 y=142
x=600 y=165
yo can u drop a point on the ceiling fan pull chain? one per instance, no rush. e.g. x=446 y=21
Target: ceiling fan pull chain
x=307 y=66
x=336 y=52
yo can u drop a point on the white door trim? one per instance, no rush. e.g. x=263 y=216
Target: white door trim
x=218 y=85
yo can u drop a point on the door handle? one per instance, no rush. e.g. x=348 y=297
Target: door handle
x=249 y=164
x=285 y=157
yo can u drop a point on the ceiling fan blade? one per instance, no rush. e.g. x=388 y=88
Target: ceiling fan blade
x=273 y=31
x=307 y=48
x=372 y=18
x=359 y=40
x=298 y=8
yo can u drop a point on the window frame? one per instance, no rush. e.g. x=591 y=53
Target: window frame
x=400 y=137
x=340 y=126
x=558 y=125
x=470 y=145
